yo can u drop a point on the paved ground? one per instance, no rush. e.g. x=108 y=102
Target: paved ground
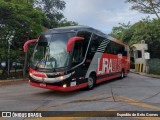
x=133 y=93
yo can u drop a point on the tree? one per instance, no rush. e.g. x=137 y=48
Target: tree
x=18 y=22
x=146 y=6
x=145 y=29
x=122 y=32
x=148 y=30
x=21 y=20
x=52 y=10
x=64 y=22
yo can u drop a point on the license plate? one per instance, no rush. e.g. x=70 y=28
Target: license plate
x=73 y=83
x=43 y=84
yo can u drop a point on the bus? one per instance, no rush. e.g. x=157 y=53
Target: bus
x=74 y=57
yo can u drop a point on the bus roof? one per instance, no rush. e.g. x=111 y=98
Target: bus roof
x=73 y=29
x=81 y=28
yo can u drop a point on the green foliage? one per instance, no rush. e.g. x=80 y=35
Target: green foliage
x=52 y=10
x=26 y=19
x=146 y=29
x=21 y=20
x=18 y=22
x=122 y=32
x=67 y=23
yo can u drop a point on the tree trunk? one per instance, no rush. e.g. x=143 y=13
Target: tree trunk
x=151 y=4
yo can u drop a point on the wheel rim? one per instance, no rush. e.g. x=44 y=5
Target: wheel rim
x=122 y=75
x=90 y=82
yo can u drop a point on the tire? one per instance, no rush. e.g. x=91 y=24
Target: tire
x=122 y=74
x=91 y=82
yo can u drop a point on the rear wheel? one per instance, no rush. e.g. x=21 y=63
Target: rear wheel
x=122 y=74
x=91 y=82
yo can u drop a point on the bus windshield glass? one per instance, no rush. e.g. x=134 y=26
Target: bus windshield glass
x=50 y=51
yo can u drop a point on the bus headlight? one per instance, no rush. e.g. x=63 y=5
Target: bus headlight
x=64 y=77
x=61 y=77
x=30 y=74
x=64 y=85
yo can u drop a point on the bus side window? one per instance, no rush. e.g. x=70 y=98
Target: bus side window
x=107 y=50
x=110 y=48
x=93 y=47
x=124 y=51
x=94 y=44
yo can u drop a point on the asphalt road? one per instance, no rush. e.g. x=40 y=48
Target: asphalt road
x=133 y=93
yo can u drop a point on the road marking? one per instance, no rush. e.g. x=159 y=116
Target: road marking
x=120 y=99
x=88 y=98
x=94 y=98
x=136 y=103
x=124 y=99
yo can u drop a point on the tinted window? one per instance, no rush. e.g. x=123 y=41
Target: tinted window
x=110 y=48
x=115 y=48
x=95 y=43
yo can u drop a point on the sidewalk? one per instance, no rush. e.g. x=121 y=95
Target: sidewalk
x=145 y=74
x=13 y=81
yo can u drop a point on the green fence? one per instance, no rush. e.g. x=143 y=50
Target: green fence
x=154 y=66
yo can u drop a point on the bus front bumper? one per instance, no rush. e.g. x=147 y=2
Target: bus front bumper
x=58 y=88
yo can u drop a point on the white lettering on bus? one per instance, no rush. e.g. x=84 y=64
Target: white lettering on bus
x=107 y=65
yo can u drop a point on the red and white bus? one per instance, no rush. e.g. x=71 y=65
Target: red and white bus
x=75 y=57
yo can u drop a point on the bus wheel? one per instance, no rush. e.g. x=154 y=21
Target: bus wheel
x=91 y=82
x=122 y=74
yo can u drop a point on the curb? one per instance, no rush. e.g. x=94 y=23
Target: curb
x=145 y=74
x=14 y=80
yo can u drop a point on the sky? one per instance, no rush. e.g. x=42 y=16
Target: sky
x=101 y=14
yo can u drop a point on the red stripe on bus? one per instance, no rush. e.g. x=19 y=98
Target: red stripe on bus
x=107 y=78
x=59 y=88
x=119 y=42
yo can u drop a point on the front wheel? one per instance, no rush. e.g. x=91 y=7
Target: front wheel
x=91 y=82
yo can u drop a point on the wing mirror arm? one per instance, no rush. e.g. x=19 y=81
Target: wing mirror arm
x=72 y=41
x=25 y=48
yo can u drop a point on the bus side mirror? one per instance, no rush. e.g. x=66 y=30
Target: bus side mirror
x=72 y=41
x=25 y=46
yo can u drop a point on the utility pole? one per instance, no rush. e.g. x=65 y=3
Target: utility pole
x=25 y=59
x=9 y=44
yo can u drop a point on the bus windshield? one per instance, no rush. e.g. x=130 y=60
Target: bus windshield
x=50 y=51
